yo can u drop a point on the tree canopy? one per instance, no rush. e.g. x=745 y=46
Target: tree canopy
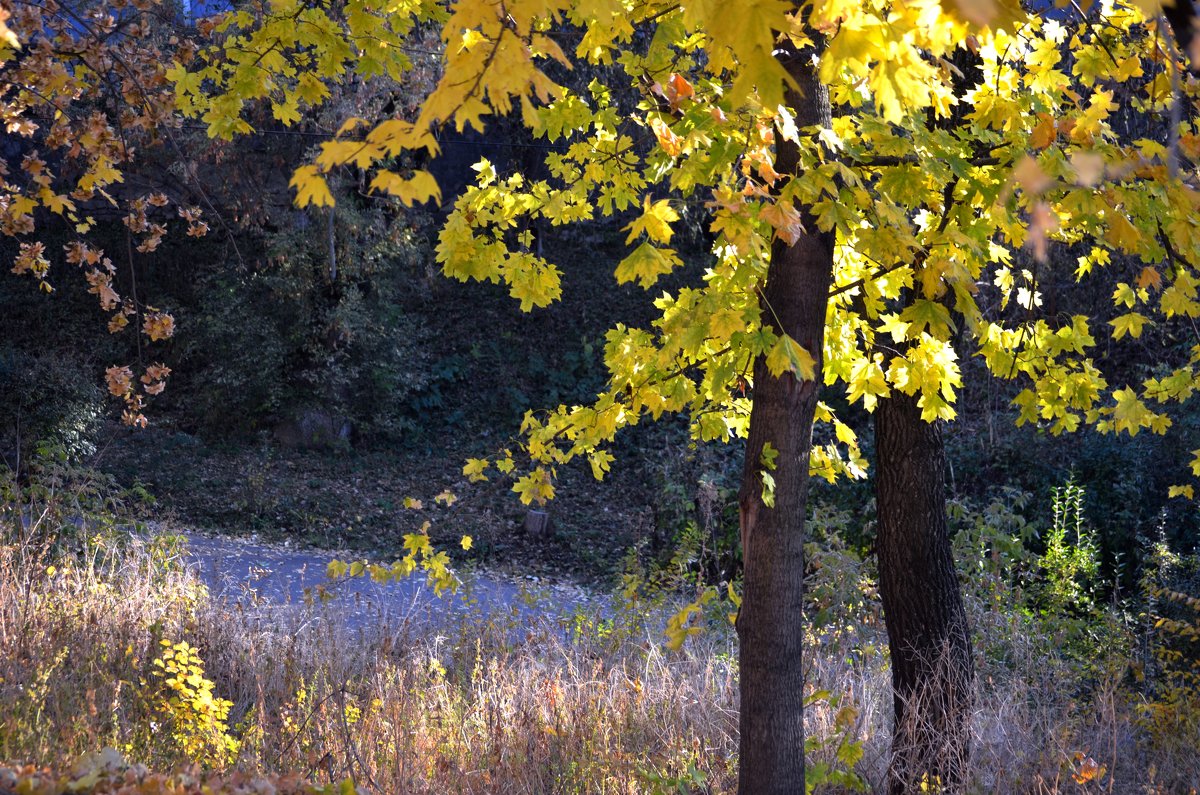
x=1063 y=140
x=1050 y=151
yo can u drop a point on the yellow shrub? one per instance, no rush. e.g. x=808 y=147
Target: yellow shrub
x=184 y=697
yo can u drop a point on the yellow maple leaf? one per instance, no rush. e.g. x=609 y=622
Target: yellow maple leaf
x=56 y=203
x=787 y=355
x=1122 y=234
x=535 y=487
x=311 y=88
x=1130 y=324
x=21 y=205
x=1181 y=491
x=339 y=153
x=350 y=125
x=1130 y=413
x=417 y=189
x=311 y=188
x=655 y=221
x=474 y=469
x=645 y=264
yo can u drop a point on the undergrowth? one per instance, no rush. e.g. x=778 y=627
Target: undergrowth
x=107 y=642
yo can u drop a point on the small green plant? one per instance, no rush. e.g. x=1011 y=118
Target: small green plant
x=181 y=694
x=1069 y=564
x=1094 y=636
x=690 y=779
x=834 y=756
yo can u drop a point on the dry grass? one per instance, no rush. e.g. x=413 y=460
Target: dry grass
x=485 y=706
x=492 y=706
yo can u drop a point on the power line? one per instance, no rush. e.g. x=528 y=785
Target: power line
x=444 y=141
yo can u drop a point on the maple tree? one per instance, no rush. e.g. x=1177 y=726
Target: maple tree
x=861 y=245
x=83 y=91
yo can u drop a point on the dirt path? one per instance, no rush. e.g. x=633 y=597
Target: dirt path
x=269 y=576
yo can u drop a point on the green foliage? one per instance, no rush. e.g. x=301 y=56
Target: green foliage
x=837 y=754
x=233 y=390
x=51 y=399
x=1041 y=577
x=291 y=336
x=914 y=204
x=1127 y=481
x=993 y=539
x=694 y=548
x=695 y=536
x=688 y=780
x=63 y=509
x=1069 y=564
x=841 y=600
x=354 y=352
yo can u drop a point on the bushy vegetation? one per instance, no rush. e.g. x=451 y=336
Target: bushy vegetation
x=109 y=643
x=51 y=400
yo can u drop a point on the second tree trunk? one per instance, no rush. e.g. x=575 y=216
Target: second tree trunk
x=932 y=668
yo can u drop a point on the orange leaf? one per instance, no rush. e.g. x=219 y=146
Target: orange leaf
x=1044 y=133
x=119 y=379
x=158 y=326
x=1149 y=277
x=667 y=139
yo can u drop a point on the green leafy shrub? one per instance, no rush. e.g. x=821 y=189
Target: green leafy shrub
x=1069 y=565
x=294 y=334
x=695 y=539
x=58 y=508
x=51 y=399
x=235 y=352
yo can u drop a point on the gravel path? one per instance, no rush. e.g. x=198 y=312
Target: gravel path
x=267 y=576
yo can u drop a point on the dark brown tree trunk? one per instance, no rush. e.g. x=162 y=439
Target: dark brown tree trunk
x=932 y=668
x=769 y=625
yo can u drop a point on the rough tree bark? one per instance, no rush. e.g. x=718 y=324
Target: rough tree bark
x=770 y=626
x=928 y=636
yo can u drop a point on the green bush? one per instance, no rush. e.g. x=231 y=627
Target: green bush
x=291 y=335
x=51 y=399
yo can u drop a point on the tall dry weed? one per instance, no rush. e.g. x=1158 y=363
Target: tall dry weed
x=491 y=704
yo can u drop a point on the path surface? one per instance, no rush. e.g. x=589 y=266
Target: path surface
x=269 y=576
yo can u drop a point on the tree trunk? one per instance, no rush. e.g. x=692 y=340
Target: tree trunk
x=769 y=625
x=928 y=637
